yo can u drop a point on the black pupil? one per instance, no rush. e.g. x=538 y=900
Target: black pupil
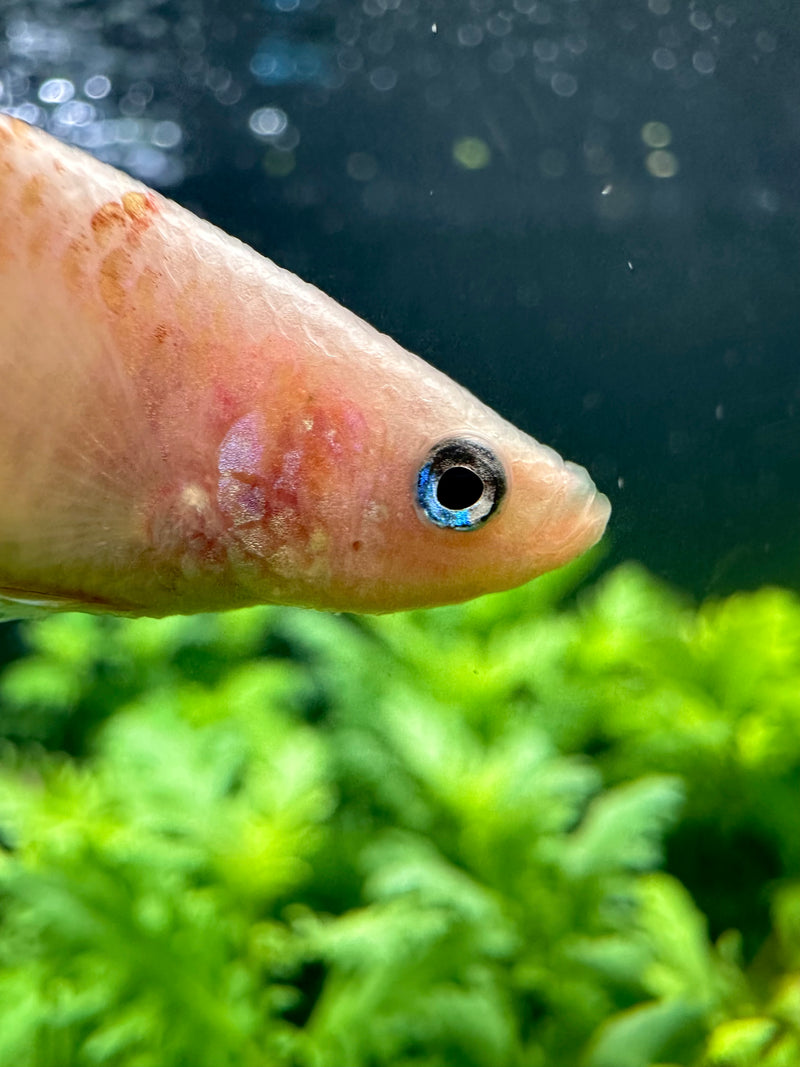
x=459 y=488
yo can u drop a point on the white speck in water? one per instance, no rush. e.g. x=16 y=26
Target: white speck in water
x=434 y=28
x=606 y=189
x=630 y=265
x=719 y=412
x=620 y=482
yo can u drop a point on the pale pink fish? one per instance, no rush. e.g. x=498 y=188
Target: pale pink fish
x=185 y=426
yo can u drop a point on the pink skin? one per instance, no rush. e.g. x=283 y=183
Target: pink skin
x=184 y=426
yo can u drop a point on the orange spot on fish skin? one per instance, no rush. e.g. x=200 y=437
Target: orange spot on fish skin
x=145 y=291
x=124 y=219
x=160 y=333
x=114 y=279
x=39 y=242
x=107 y=222
x=32 y=195
x=140 y=209
x=73 y=264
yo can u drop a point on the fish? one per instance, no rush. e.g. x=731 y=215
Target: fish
x=186 y=426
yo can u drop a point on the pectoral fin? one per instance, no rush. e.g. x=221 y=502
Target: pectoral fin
x=28 y=604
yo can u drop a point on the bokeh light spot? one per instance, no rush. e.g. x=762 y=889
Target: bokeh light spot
x=662 y=164
x=472 y=153
x=277 y=164
x=268 y=121
x=656 y=134
x=56 y=91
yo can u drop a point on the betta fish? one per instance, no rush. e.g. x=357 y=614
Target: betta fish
x=187 y=427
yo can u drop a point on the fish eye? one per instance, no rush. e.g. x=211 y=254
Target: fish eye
x=460 y=485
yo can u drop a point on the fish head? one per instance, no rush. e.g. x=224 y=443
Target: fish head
x=396 y=490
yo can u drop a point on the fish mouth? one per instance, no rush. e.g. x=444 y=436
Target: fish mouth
x=576 y=516
x=588 y=510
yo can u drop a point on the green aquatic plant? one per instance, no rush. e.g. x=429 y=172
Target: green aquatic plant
x=535 y=830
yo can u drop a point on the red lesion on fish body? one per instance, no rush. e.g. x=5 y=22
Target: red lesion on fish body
x=282 y=476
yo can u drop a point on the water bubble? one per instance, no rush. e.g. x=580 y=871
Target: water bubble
x=576 y=43
x=499 y=24
x=56 y=91
x=766 y=41
x=383 y=79
x=563 y=84
x=469 y=35
x=268 y=121
x=659 y=7
x=350 y=59
x=75 y=113
x=545 y=50
x=704 y=62
x=97 y=87
x=28 y=112
x=700 y=20
x=664 y=59
x=500 y=61
x=166 y=134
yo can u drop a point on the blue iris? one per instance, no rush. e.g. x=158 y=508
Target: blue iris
x=460 y=484
x=427 y=487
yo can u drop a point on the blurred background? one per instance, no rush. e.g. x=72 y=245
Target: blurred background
x=549 y=828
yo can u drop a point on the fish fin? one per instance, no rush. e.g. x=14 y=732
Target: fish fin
x=31 y=604
x=16 y=604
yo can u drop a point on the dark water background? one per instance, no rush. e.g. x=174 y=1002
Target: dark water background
x=584 y=210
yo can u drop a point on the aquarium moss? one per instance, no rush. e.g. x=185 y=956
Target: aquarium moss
x=542 y=829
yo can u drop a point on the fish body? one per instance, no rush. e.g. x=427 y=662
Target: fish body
x=185 y=426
